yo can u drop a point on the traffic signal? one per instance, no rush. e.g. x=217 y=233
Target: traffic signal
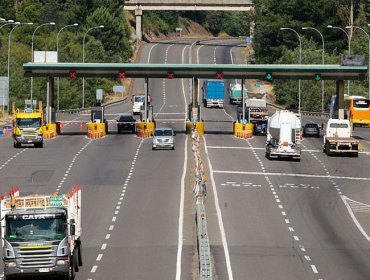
x=219 y=76
x=269 y=77
x=72 y=74
x=170 y=75
x=317 y=77
x=122 y=75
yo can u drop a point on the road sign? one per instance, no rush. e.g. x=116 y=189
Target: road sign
x=99 y=94
x=119 y=88
x=56 y=200
x=4 y=91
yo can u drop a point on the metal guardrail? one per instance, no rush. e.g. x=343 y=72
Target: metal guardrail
x=305 y=113
x=200 y=191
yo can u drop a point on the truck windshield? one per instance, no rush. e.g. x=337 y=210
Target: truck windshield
x=29 y=122
x=139 y=98
x=40 y=229
x=361 y=103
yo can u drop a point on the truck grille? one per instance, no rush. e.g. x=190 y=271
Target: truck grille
x=36 y=258
x=344 y=147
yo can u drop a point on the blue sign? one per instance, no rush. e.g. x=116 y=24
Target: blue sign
x=28 y=110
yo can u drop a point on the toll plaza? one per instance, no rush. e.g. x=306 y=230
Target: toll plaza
x=268 y=72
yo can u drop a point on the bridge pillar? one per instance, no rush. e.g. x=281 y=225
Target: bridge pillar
x=340 y=98
x=195 y=109
x=138 y=14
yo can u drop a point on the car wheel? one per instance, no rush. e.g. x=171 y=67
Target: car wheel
x=153 y=148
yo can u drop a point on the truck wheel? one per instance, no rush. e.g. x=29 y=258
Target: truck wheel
x=327 y=150
x=80 y=263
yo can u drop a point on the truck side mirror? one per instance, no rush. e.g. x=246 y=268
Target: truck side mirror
x=72 y=229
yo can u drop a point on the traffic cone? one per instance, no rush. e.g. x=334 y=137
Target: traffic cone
x=81 y=127
x=61 y=127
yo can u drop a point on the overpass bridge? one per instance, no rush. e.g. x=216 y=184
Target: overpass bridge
x=182 y=5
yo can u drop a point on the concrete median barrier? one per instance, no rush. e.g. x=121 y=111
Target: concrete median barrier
x=243 y=130
x=145 y=129
x=95 y=130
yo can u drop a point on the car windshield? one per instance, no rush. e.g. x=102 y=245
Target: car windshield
x=139 y=98
x=311 y=125
x=126 y=119
x=163 y=132
x=29 y=122
x=40 y=229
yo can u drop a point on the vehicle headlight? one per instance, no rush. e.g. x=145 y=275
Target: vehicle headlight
x=63 y=262
x=10 y=264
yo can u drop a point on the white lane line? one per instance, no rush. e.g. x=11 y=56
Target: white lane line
x=358 y=225
x=291 y=175
x=314 y=269
x=181 y=213
x=99 y=257
x=94 y=268
x=219 y=216
x=150 y=52
x=103 y=246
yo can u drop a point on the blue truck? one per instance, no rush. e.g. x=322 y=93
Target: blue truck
x=213 y=93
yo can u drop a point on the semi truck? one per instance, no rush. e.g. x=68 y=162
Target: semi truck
x=28 y=127
x=138 y=103
x=213 y=93
x=41 y=234
x=257 y=114
x=338 y=138
x=284 y=135
x=235 y=93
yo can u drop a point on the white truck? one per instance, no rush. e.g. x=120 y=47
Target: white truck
x=138 y=103
x=338 y=138
x=284 y=135
x=41 y=234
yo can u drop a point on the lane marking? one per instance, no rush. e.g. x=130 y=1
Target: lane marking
x=347 y=202
x=290 y=175
x=219 y=215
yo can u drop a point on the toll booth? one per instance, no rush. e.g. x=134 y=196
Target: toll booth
x=97 y=116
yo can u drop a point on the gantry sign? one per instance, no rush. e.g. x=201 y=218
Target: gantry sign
x=204 y=71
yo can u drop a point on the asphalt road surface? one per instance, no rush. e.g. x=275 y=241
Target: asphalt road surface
x=267 y=219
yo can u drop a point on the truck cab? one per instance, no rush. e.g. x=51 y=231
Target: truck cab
x=138 y=102
x=28 y=128
x=41 y=234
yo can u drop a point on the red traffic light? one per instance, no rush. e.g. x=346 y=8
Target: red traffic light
x=170 y=75
x=121 y=75
x=72 y=74
x=219 y=76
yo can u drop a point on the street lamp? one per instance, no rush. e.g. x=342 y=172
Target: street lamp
x=75 y=24
x=368 y=38
x=300 y=62
x=349 y=44
x=323 y=62
x=32 y=59
x=83 y=61
x=9 y=36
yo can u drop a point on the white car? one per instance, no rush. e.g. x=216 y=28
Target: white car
x=163 y=138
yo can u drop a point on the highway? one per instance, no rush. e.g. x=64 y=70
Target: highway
x=267 y=219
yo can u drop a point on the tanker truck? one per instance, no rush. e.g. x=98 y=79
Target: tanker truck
x=284 y=135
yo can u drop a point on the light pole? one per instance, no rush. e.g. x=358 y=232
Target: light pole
x=75 y=24
x=193 y=91
x=323 y=62
x=368 y=63
x=300 y=62
x=83 y=61
x=33 y=36
x=349 y=43
x=10 y=33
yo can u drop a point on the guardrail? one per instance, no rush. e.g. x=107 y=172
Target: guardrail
x=200 y=191
x=305 y=113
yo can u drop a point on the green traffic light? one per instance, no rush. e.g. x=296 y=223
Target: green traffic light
x=269 y=77
x=317 y=77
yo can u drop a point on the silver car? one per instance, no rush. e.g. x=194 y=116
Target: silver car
x=163 y=138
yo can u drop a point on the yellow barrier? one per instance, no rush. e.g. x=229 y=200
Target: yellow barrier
x=49 y=130
x=199 y=126
x=243 y=130
x=145 y=129
x=95 y=130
